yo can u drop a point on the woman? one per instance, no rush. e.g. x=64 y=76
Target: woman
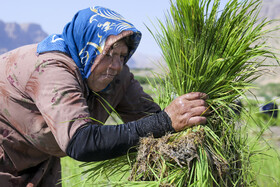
x=54 y=98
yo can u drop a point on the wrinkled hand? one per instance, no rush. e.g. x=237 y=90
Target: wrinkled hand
x=187 y=110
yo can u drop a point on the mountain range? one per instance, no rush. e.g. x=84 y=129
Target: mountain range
x=13 y=35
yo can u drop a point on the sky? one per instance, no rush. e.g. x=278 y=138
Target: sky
x=53 y=15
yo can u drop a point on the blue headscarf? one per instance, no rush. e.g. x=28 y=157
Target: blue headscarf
x=84 y=37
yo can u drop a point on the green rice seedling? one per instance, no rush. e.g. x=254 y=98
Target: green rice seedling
x=218 y=53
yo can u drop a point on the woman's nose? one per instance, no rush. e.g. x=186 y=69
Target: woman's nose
x=117 y=64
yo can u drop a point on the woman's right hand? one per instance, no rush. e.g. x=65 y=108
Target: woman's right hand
x=187 y=110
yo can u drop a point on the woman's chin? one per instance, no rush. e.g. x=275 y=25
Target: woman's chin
x=98 y=88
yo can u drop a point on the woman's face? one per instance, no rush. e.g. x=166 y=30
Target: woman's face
x=110 y=65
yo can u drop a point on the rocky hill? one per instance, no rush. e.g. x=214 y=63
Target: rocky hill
x=13 y=35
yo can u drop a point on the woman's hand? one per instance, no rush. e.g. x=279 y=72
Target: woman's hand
x=187 y=110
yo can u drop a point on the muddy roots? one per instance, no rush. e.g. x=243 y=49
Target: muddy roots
x=176 y=149
x=157 y=157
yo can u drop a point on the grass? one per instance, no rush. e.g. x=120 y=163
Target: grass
x=265 y=159
x=266 y=167
x=71 y=172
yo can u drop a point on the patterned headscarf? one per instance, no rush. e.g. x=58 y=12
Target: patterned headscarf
x=85 y=36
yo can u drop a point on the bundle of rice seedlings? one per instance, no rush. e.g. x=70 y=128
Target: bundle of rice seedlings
x=211 y=51
x=218 y=53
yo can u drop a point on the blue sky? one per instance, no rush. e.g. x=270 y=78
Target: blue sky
x=52 y=15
